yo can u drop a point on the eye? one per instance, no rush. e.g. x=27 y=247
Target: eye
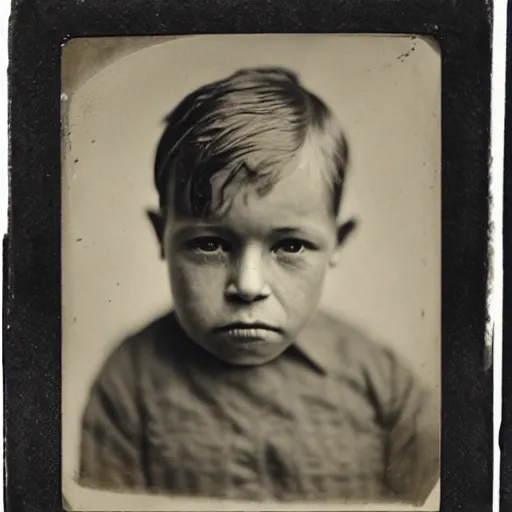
x=208 y=244
x=291 y=246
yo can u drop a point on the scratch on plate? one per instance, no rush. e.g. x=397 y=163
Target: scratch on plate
x=408 y=53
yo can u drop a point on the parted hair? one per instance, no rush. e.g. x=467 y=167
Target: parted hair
x=254 y=125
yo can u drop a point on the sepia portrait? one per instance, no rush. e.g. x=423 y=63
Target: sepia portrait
x=251 y=272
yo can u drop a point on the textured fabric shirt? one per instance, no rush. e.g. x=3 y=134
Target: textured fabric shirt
x=335 y=417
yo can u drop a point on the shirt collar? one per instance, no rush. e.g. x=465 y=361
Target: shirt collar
x=319 y=341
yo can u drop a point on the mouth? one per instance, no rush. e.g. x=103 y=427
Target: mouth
x=248 y=332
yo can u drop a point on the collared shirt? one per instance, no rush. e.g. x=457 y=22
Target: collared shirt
x=335 y=417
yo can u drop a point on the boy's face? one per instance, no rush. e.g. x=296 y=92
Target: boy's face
x=245 y=283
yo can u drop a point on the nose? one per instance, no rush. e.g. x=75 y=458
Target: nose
x=247 y=281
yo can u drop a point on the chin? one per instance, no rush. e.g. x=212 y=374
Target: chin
x=250 y=361
x=245 y=355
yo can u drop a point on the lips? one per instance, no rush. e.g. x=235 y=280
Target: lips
x=255 y=331
x=248 y=326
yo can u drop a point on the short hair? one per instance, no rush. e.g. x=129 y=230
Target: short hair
x=259 y=121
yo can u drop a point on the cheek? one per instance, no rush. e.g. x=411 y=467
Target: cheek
x=196 y=285
x=298 y=284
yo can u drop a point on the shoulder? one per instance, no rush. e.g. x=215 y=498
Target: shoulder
x=400 y=399
x=370 y=363
x=347 y=344
x=125 y=359
x=115 y=391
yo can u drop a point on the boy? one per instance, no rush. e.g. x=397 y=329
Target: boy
x=245 y=391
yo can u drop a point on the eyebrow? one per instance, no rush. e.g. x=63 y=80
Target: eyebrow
x=287 y=230
x=306 y=231
x=193 y=228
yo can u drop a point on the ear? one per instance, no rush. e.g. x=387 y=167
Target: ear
x=158 y=222
x=344 y=231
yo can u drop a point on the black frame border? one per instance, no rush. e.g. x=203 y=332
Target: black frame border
x=32 y=298
x=506 y=425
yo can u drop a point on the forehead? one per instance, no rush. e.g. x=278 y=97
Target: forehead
x=299 y=199
x=300 y=192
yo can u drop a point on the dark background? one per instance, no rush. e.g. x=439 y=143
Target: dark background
x=32 y=247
